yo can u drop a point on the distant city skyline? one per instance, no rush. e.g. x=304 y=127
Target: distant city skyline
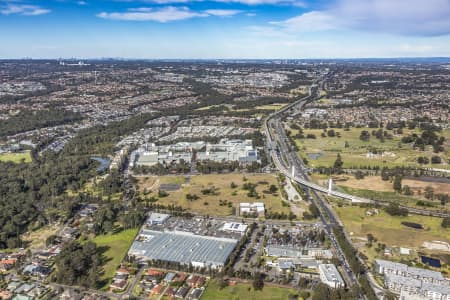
x=224 y=29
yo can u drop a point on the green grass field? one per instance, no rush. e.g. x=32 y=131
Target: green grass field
x=354 y=155
x=376 y=183
x=222 y=182
x=389 y=230
x=386 y=196
x=243 y=291
x=274 y=106
x=16 y=157
x=115 y=248
x=228 y=106
x=410 y=201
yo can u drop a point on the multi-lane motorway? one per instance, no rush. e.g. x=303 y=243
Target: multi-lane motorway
x=292 y=167
x=289 y=163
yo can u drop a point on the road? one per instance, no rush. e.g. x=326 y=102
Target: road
x=86 y=291
x=129 y=291
x=288 y=162
x=291 y=165
x=285 y=158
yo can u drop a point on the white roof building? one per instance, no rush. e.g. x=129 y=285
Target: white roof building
x=230 y=150
x=423 y=283
x=235 y=227
x=157 y=218
x=389 y=267
x=255 y=207
x=405 y=251
x=330 y=276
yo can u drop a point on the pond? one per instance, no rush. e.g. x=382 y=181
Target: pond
x=104 y=163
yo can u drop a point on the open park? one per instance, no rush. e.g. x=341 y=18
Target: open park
x=321 y=149
x=113 y=247
x=215 y=194
x=16 y=157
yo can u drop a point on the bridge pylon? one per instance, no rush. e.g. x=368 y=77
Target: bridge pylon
x=330 y=186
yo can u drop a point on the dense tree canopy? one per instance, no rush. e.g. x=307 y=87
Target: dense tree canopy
x=29 y=191
x=78 y=264
x=29 y=120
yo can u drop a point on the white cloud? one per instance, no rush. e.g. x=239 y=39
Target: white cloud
x=165 y=14
x=311 y=21
x=404 y=17
x=298 y=3
x=22 y=9
x=82 y=3
x=262 y=2
x=222 y=12
x=169 y=1
x=141 y=9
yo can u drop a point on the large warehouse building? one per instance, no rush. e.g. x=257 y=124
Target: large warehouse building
x=183 y=247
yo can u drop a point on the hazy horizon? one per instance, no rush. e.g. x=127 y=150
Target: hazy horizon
x=224 y=29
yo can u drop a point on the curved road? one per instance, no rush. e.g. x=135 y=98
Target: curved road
x=293 y=160
x=289 y=163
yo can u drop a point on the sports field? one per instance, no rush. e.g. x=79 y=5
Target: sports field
x=224 y=197
x=17 y=157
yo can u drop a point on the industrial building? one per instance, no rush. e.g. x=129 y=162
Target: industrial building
x=151 y=158
x=284 y=251
x=241 y=151
x=150 y=154
x=257 y=208
x=294 y=252
x=235 y=227
x=182 y=247
x=230 y=150
x=157 y=218
x=330 y=276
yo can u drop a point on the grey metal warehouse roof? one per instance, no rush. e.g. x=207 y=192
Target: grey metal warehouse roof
x=283 y=251
x=183 y=247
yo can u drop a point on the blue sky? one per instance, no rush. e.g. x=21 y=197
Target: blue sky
x=224 y=28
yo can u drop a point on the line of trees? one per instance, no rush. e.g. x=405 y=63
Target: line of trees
x=351 y=255
x=28 y=120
